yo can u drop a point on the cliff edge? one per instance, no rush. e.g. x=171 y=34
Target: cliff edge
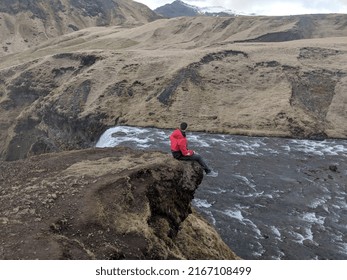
x=113 y=203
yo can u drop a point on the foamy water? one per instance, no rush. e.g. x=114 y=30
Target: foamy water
x=273 y=199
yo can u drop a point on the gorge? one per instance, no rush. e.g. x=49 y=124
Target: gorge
x=69 y=70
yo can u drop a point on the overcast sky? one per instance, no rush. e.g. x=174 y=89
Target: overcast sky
x=265 y=7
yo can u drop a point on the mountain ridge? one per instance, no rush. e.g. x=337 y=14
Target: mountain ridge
x=179 y=8
x=24 y=24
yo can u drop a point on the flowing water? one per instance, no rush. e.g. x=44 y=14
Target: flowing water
x=274 y=198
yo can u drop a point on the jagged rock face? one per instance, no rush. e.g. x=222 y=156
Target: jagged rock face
x=103 y=204
x=26 y=23
x=40 y=121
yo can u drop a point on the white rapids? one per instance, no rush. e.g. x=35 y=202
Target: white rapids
x=274 y=198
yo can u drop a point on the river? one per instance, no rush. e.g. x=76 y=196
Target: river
x=274 y=198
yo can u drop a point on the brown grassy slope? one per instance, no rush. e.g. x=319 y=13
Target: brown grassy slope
x=24 y=24
x=226 y=78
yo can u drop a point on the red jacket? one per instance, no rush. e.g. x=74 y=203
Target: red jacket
x=179 y=143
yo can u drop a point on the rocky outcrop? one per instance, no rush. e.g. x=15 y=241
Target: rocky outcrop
x=103 y=204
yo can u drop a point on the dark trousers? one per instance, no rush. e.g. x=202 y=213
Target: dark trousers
x=195 y=157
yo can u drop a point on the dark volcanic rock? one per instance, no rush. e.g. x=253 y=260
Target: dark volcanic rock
x=103 y=204
x=55 y=125
x=177 y=9
x=191 y=73
x=181 y=9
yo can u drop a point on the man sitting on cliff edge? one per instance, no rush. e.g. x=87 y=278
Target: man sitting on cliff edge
x=180 y=151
